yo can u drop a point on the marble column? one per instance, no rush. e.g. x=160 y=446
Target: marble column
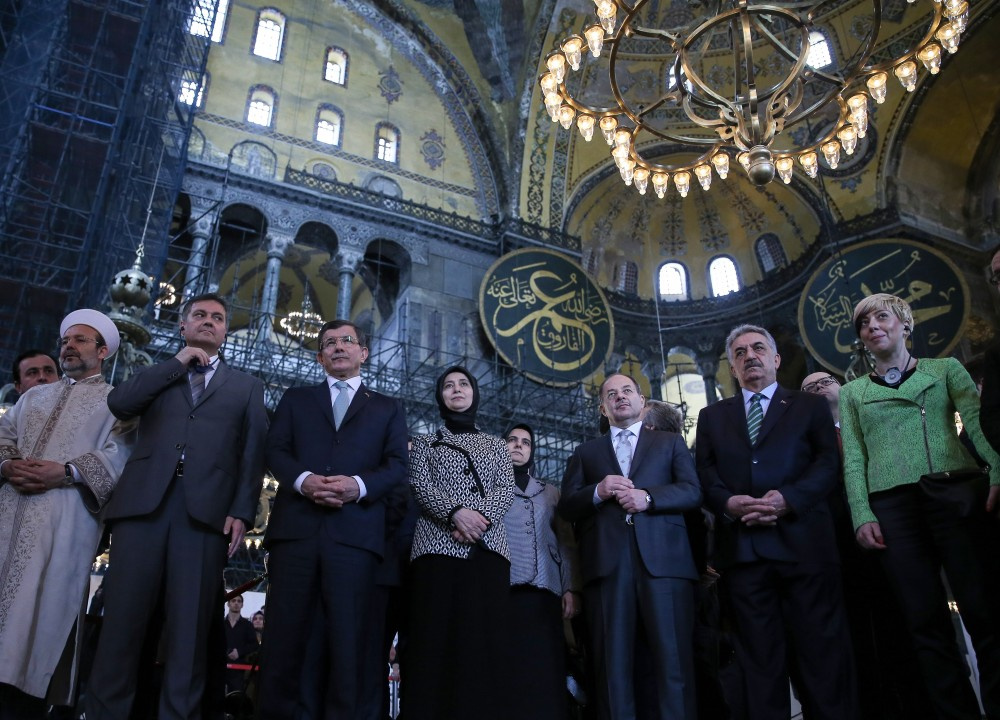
x=348 y=262
x=708 y=367
x=197 y=275
x=277 y=245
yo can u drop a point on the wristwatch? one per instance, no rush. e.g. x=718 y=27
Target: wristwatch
x=649 y=500
x=68 y=480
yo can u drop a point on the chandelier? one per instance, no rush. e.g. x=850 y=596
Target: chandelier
x=720 y=114
x=305 y=324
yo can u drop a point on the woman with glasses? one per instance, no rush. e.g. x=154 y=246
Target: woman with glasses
x=463 y=482
x=899 y=435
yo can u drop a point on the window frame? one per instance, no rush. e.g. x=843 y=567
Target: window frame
x=274 y=106
x=736 y=275
x=270 y=14
x=682 y=271
x=627 y=277
x=816 y=38
x=346 y=68
x=333 y=110
x=777 y=253
x=201 y=89
x=218 y=31
x=398 y=145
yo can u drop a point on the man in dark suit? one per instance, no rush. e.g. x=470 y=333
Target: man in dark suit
x=337 y=449
x=768 y=461
x=184 y=500
x=626 y=493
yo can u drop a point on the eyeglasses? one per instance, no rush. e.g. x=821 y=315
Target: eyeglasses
x=820 y=384
x=344 y=341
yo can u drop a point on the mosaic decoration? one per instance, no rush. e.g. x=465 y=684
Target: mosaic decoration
x=432 y=148
x=713 y=234
x=751 y=216
x=673 y=242
x=850 y=184
x=560 y=155
x=545 y=317
x=439 y=66
x=923 y=277
x=324 y=171
x=389 y=85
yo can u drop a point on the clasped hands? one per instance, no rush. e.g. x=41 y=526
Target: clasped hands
x=31 y=477
x=331 y=490
x=470 y=526
x=752 y=511
x=621 y=489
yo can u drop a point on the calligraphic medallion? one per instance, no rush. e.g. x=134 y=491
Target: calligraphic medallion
x=545 y=317
x=923 y=277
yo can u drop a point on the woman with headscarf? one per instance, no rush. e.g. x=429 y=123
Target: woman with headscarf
x=542 y=565
x=898 y=430
x=462 y=480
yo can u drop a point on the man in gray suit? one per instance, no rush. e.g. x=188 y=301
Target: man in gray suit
x=186 y=495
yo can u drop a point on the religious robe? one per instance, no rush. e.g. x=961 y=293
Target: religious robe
x=48 y=541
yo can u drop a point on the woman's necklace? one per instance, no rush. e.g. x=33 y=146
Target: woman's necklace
x=894 y=376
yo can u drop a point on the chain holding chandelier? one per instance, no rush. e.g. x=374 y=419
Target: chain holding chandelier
x=743 y=118
x=302 y=324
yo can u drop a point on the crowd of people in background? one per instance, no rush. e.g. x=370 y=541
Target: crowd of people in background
x=812 y=540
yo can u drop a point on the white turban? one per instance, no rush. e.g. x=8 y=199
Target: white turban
x=97 y=320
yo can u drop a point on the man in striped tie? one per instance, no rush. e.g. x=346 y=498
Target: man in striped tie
x=768 y=460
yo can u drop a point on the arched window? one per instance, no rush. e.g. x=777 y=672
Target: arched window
x=261 y=103
x=673 y=281
x=591 y=258
x=722 y=276
x=270 y=34
x=329 y=122
x=192 y=89
x=627 y=277
x=387 y=142
x=819 y=51
x=770 y=253
x=201 y=14
x=335 y=70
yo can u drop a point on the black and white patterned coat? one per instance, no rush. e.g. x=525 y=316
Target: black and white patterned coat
x=449 y=471
x=542 y=553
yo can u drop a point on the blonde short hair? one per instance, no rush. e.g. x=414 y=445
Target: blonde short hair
x=882 y=301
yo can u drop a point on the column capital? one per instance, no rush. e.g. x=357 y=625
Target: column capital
x=349 y=259
x=277 y=243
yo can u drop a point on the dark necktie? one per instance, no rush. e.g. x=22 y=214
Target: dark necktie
x=341 y=403
x=755 y=418
x=197 y=385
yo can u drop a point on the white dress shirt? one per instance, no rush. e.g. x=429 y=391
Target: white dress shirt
x=352 y=388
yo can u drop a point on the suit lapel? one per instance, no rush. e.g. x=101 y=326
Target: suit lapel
x=737 y=414
x=780 y=402
x=358 y=402
x=609 y=451
x=641 y=446
x=322 y=395
x=219 y=378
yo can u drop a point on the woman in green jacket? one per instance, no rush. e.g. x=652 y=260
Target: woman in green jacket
x=897 y=425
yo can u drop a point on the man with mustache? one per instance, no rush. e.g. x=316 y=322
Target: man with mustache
x=625 y=494
x=61 y=453
x=768 y=461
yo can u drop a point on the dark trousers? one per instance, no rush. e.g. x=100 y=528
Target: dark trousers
x=318 y=610
x=922 y=537
x=167 y=555
x=536 y=655
x=454 y=668
x=628 y=604
x=766 y=600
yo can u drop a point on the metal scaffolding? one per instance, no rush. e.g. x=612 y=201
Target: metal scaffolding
x=94 y=151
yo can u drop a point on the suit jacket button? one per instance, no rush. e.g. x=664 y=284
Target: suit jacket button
x=178 y=446
x=190 y=417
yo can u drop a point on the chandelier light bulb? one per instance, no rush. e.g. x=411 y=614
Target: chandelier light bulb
x=858 y=103
x=704 y=174
x=606 y=15
x=848 y=137
x=548 y=83
x=608 y=126
x=744 y=160
x=620 y=155
x=930 y=56
x=958 y=13
x=623 y=137
x=877 y=86
x=860 y=124
x=595 y=39
x=640 y=177
x=660 y=184
x=809 y=163
x=572 y=48
x=566 y=115
x=831 y=153
x=948 y=36
x=556 y=63
x=585 y=124
x=906 y=73
x=721 y=162
x=682 y=181
x=553 y=101
x=784 y=166
x=627 y=170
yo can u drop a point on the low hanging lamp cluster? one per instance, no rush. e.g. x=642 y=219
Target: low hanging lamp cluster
x=743 y=118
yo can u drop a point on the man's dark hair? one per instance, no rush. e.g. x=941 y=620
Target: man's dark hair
x=600 y=393
x=205 y=297
x=36 y=353
x=336 y=325
x=663 y=416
